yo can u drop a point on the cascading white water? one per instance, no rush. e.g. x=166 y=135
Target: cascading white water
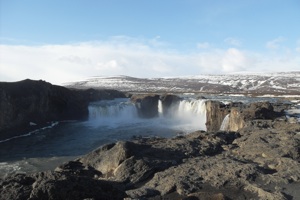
x=225 y=123
x=112 y=112
x=187 y=115
x=190 y=112
x=160 y=109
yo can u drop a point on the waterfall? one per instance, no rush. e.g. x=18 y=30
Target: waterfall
x=225 y=123
x=112 y=112
x=160 y=109
x=187 y=115
x=190 y=113
x=192 y=107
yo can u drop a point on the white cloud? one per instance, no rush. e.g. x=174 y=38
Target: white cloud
x=275 y=44
x=234 y=60
x=233 y=41
x=133 y=57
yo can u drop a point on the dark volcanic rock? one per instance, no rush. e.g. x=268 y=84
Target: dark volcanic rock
x=136 y=161
x=58 y=185
x=147 y=105
x=168 y=101
x=40 y=102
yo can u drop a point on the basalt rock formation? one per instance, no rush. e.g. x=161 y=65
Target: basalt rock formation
x=168 y=101
x=29 y=102
x=147 y=105
x=239 y=114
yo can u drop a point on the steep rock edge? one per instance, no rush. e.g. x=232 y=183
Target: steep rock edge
x=239 y=114
x=147 y=105
x=168 y=101
x=40 y=102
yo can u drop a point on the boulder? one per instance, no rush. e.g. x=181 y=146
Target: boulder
x=147 y=105
x=136 y=161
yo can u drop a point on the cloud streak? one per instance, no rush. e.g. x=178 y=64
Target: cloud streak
x=134 y=57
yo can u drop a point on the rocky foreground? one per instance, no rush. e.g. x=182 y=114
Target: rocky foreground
x=259 y=160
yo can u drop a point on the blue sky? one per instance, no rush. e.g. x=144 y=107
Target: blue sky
x=62 y=41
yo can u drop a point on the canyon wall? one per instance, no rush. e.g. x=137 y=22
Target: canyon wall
x=30 y=103
x=239 y=114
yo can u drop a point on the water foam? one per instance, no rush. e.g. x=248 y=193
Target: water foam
x=32 y=132
x=190 y=113
x=112 y=113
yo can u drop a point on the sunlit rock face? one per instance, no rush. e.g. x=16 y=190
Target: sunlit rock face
x=215 y=113
x=236 y=115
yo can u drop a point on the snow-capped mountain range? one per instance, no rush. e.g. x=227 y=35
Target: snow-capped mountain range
x=254 y=83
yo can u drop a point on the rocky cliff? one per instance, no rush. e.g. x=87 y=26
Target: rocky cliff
x=26 y=103
x=168 y=101
x=147 y=105
x=238 y=114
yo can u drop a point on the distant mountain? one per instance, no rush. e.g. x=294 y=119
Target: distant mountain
x=272 y=83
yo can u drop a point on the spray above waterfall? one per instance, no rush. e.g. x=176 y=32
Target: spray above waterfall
x=188 y=113
x=112 y=113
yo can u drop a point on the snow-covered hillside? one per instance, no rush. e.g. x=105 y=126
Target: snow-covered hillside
x=273 y=83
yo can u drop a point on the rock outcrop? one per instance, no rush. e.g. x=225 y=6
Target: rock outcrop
x=31 y=102
x=239 y=114
x=215 y=113
x=147 y=105
x=168 y=101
